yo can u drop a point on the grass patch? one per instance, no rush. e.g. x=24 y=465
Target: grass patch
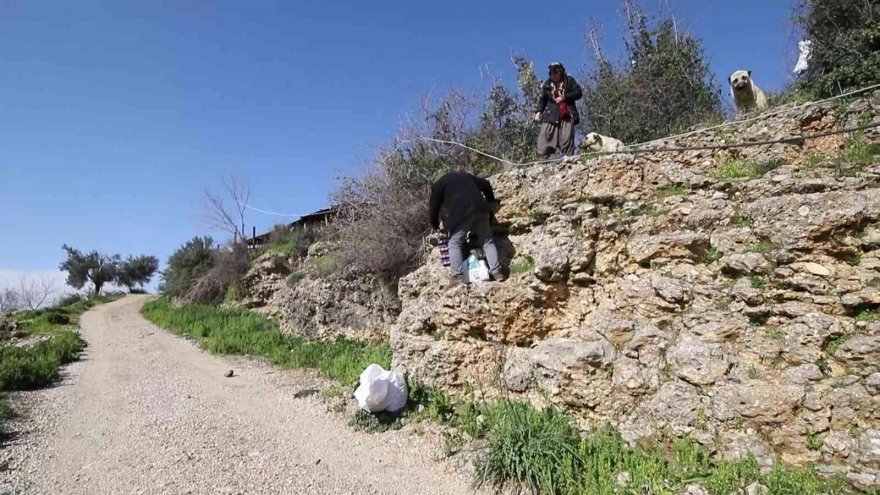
x=814 y=442
x=859 y=152
x=867 y=315
x=752 y=372
x=735 y=168
x=762 y=247
x=39 y=365
x=854 y=260
x=835 y=342
x=541 y=452
x=522 y=265
x=671 y=190
x=772 y=333
x=758 y=282
x=711 y=255
x=645 y=209
x=242 y=332
x=295 y=277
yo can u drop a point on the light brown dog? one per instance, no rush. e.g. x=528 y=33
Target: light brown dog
x=746 y=94
x=597 y=142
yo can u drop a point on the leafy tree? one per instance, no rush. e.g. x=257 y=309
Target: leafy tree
x=845 y=36
x=91 y=267
x=185 y=265
x=136 y=271
x=663 y=87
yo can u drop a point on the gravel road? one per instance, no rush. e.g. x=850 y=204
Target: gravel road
x=146 y=412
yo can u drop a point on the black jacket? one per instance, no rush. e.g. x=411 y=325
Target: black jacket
x=456 y=196
x=547 y=103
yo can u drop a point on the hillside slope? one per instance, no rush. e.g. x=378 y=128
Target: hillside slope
x=729 y=296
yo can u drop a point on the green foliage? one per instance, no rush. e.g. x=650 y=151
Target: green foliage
x=640 y=98
x=734 y=168
x=186 y=264
x=814 y=442
x=136 y=271
x=671 y=190
x=292 y=241
x=834 y=343
x=752 y=372
x=763 y=246
x=711 y=255
x=295 y=277
x=758 y=282
x=867 y=315
x=845 y=37
x=38 y=366
x=93 y=267
x=242 y=332
x=541 y=452
x=772 y=333
x=522 y=265
x=859 y=151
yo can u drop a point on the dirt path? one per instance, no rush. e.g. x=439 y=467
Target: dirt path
x=147 y=412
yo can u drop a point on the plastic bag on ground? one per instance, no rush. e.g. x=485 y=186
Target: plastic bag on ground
x=477 y=270
x=381 y=390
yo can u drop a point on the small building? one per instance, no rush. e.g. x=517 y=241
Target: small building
x=305 y=222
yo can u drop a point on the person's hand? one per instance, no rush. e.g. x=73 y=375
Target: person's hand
x=559 y=99
x=537 y=116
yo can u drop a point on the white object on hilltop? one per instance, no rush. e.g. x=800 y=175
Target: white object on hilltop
x=803 y=63
x=381 y=390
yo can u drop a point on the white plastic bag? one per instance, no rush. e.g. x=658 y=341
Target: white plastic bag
x=478 y=270
x=381 y=390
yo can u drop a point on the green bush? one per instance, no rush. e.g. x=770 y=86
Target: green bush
x=639 y=98
x=186 y=264
x=845 y=37
x=38 y=366
x=242 y=332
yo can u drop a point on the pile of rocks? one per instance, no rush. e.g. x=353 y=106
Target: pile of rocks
x=658 y=293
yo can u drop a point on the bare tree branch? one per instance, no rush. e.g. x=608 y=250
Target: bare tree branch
x=33 y=293
x=9 y=301
x=229 y=218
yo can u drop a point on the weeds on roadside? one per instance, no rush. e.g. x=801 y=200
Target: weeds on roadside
x=241 y=332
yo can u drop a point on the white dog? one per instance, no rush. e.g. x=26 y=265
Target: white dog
x=598 y=142
x=746 y=94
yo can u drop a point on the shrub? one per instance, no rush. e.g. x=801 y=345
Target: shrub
x=38 y=366
x=293 y=241
x=69 y=300
x=640 y=99
x=136 y=271
x=186 y=265
x=227 y=267
x=845 y=37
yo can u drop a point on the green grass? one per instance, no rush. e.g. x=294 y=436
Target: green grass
x=758 y=282
x=524 y=264
x=37 y=366
x=671 y=190
x=644 y=210
x=295 y=277
x=867 y=315
x=859 y=152
x=735 y=168
x=772 y=333
x=762 y=247
x=752 y=372
x=814 y=442
x=854 y=260
x=834 y=343
x=242 y=332
x=541 y=452
x=711 y=255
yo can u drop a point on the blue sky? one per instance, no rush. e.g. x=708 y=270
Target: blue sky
x=115 y=116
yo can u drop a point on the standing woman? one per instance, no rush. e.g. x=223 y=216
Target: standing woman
x=557 y=112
